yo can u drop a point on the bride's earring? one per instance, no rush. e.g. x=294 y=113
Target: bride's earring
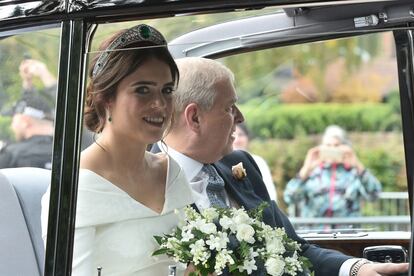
x=109 y=115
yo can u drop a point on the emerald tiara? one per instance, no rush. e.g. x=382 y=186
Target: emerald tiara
x=138 y=33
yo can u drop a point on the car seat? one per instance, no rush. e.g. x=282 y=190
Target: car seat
x=21 y=245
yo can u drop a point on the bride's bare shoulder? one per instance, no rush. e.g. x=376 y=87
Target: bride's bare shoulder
x=92 y=158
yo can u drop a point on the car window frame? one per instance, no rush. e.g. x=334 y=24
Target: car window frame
x=77 y=26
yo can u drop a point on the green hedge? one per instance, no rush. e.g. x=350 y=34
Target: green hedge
x=292 y=120
x=382 y=153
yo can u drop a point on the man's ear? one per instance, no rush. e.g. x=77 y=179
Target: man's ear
x=192 y=116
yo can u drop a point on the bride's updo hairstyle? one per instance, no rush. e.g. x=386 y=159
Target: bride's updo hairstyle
x=121 y=55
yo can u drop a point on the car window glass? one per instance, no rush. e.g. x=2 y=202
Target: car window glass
x=289 y=97
x=28 y=87
x=29 y=65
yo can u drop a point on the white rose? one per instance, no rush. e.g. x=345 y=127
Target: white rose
x=245 y=232
x=226 y=222
x=275 y=246
x=241 y=217
x=275 y=266
x=208 y=228
x=197 y=223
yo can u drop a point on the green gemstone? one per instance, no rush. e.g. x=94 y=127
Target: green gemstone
x=145 y=32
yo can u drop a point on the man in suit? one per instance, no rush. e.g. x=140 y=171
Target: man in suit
x=202 y=133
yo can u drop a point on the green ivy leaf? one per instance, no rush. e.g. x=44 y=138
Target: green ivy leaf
x=158 y=239
x=160 y=251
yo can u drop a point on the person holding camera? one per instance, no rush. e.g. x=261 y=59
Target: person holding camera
x=32 y=119
x=332 y=181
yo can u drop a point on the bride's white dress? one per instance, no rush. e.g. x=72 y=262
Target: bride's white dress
x=115 y=232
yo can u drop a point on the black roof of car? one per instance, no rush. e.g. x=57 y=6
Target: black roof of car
x=25 y=13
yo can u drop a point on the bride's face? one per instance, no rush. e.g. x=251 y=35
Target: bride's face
x=143 y=105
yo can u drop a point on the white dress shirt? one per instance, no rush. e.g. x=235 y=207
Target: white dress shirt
x=198 y=179
x=198 y=183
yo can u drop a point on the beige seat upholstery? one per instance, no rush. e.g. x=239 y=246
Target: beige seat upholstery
x=21 y=245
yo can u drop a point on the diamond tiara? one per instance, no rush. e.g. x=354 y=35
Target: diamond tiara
x=138 y=33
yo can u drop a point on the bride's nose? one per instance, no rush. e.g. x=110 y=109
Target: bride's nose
x=158 y=101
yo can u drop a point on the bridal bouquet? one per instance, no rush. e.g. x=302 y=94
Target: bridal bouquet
x=234 y=239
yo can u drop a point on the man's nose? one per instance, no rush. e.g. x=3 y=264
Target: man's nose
x=238 y=118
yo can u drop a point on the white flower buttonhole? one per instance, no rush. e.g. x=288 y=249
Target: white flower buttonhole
x=239 y=172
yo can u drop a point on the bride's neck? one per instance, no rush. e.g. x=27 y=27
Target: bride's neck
x=124 y=155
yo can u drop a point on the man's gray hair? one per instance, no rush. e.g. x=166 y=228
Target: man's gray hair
x=198 y=77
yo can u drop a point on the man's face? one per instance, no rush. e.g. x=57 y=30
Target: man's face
x=219 y=123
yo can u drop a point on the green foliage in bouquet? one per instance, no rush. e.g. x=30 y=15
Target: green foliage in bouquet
x=233 y=239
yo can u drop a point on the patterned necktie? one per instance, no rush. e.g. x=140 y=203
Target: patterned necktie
x=215 y=187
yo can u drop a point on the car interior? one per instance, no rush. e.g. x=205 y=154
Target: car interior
x=22 y=249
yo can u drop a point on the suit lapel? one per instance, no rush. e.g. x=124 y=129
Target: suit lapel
x=240 y=190
x=243 y=193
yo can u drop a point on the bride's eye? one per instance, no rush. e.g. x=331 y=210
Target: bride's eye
x=142 y=90
x=168 y=90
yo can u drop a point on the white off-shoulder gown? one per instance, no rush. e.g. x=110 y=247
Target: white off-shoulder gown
x=115 y=232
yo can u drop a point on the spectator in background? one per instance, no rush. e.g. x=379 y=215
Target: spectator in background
x=32 y=123
x=32 y=126
x=241 y=142
x=332 y=181
x=30 y=69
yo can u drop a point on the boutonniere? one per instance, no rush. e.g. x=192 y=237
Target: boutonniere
x=238 y=171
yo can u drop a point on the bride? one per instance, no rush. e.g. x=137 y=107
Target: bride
x=126 y=194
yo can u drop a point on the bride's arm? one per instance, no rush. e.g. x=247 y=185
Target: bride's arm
x=82 y=264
